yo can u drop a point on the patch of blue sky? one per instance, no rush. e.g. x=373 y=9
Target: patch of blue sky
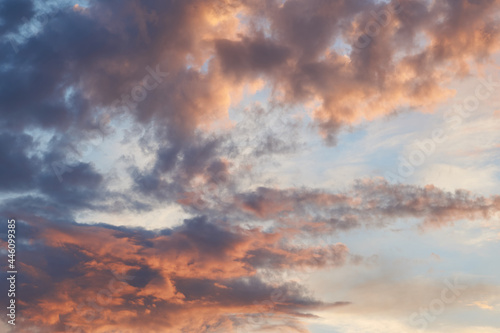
x=41 y=138
x=368 y=150
x=468 y=315
x=248 y=100
x=341 y=47
x=204 y=67
x=47 y=6
x=106 y=150
x=397 y=246
x=322 y=328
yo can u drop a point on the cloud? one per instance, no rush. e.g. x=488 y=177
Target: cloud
x=83 y=61
x=18 y=169
x=12 y=14
x=410 y=50
x=249 y=57
x=169 y=274
x=369 y=202
x=97 y=276
x=166 y=73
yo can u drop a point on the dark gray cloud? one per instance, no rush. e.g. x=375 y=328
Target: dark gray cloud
x=14 y=13
x=250 y=57
x=18 y=166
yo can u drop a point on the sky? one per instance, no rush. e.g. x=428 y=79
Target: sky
x=251 y=166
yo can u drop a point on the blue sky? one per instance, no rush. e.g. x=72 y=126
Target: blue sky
x=252 y=166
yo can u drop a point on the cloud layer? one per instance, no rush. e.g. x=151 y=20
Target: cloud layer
x=195 y=99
